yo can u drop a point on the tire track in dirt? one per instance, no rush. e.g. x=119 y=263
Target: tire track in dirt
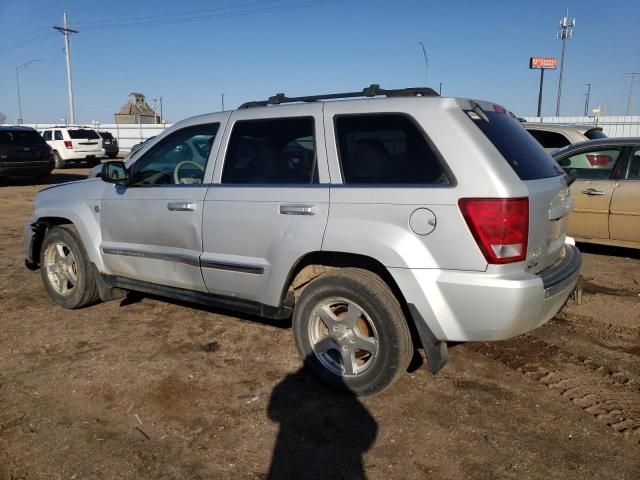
x=610 y=396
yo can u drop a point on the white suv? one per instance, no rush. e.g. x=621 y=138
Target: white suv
x=74 y=144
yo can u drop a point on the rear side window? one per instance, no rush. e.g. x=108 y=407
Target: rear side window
x=550 y=139
x=271 y=151
x=20 y=137
x=525 y=155
x=385 y=149
x=57 y=135
x=83 y=133
x=47 y=135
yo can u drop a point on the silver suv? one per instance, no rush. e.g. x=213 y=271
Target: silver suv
x=398 y=220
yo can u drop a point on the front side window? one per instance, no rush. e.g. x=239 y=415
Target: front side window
x=634 y=165
x=180 y=158
x=591 y=165
x=271 y=151
x=385 y=149
x=57 y=135
x=550 y=139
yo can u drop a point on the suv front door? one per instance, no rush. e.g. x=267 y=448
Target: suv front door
x=269 y=202
x=151 y=229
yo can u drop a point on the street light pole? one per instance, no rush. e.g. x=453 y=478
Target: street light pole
x=633 y=75
x=440 y=89
x=20 y=68
x=566 y=32
x=426 y=63
x=65 y=30
x=586 y=100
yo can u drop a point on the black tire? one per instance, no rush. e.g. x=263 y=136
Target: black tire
x=113 y=155
x=92 y=162
x=58 y=161
x=379 y=307
x=82 y=291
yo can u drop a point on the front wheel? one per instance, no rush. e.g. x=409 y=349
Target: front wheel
x=65 y=269
x=350 y=330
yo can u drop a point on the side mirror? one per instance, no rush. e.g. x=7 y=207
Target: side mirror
x=115 y=172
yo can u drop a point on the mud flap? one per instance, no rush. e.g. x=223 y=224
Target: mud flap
x=436 y=350
x=106 y=291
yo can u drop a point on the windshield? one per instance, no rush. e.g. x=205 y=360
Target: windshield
x=83 y=133
x=20 y=137
x=525 y=155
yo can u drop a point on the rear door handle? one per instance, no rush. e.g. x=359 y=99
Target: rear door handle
x=297 y=209
x=181 y=206
x=592 y=192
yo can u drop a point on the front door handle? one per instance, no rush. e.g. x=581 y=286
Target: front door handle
x=592 y=192
x=181 y=206
x=297 y=209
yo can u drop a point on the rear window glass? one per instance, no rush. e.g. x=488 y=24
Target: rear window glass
x=83 y=133
x=550 y=139
x=16 y=137
x=595 y=133
x=386 y=149
x=106 y=135
x=525 y=155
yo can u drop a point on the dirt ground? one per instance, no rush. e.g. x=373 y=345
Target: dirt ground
x=149 y=388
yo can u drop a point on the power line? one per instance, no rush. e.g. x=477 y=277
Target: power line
x=14 y=37
x=24 y=43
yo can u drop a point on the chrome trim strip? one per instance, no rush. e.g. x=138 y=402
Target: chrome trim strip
x=186 y=259
x=234 y=267
x=168 y=257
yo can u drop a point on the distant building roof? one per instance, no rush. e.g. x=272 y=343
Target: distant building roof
x=136 y=105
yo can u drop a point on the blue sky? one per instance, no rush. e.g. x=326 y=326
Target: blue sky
x=478 y=49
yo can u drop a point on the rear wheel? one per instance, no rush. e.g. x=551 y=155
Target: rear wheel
x=350 y=330
x=65 y=269
x=57 y=160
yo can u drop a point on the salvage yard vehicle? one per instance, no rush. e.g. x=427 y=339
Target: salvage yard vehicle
x=554 y=136
x=73 y=144
x=606 y=190
x=23 y=153
x=109 y=143
x=363 y=219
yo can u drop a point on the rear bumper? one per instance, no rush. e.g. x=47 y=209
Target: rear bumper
x=26 y=168
x=71 y=155
x=477 y=306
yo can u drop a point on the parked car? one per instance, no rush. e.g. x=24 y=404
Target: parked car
x=71 y=144
x=23 y=153
x=606 y=190
x=96 y=171
x=109 y=143
x=554 y=136
x=360 y=219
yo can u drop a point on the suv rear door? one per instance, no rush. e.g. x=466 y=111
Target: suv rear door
x=269 y=202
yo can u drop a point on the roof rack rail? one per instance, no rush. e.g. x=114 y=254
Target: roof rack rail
x=373 y=90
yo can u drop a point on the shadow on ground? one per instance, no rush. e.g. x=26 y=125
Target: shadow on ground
x=323 y=433
x=609 y=250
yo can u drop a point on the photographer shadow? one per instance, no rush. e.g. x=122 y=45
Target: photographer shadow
x=323 y=433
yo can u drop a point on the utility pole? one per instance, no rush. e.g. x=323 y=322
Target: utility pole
x=586 y=100
x=66 y=31
x=440 y=89
x=426 y=64
x=20 y=68
x=222 y=101
x=633 y=75
x=155 y=110
x=161 y=114
x=566 y=32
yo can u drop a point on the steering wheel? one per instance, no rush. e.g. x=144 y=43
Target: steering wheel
x=176 y=171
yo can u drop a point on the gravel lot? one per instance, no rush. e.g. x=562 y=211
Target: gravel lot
x=150 y=388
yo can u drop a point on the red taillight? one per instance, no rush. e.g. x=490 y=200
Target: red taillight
x=499 y=225
x=68 y=144
x=598 y=160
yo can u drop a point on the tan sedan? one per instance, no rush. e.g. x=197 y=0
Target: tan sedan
x=606 y=190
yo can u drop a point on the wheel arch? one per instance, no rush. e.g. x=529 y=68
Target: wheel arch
x=40 y=227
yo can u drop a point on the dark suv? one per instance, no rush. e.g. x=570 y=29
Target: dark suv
x=23 y=153
x=110 y=144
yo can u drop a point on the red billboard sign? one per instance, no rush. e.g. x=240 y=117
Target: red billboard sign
x=543 y=62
